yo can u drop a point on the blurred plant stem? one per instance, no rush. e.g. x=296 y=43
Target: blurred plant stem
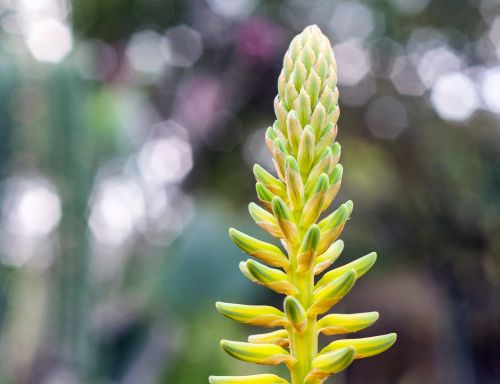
x=72 y=175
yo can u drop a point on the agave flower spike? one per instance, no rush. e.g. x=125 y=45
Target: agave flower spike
x=293 y=209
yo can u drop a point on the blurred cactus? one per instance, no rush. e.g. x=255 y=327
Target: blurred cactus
x=302 y=143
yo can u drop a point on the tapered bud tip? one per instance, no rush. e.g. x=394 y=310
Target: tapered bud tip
x=349 y=206
x=295 y=313
x=323 y=182
x=312 y=237
x=279 y=207
x=291 y=162
x=336 y=148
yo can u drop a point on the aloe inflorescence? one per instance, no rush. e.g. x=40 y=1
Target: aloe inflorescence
x=306 y=158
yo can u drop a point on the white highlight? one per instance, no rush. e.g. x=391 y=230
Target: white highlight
x=455 y=97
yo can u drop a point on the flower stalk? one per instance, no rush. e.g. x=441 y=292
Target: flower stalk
x=305 y=154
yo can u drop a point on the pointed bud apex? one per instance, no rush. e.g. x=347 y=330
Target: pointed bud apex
x=314 y=206
x=295 y=188
x=279 y=337
x=308 y=57
x=305 y=155
x=299 y=75
x=265 y=220
x=268 y=354
x=261 y=250
x=321 y=68
x=361 y=266
x=244 y=270
x=282 y=87
x=327 y=138
x=339 y=324
x=279 y=156
x=331 y=227
x=329 y=295
x=271 y=278
x=264 y=194
x=336 y=151
x=318 y=120
x=280 y=112
x=252 y=379
x=288 y=65
x=365 y=347
x=308 y=248
x=313 y=87
x=285 y=220
x=329 y=364
x=302 y=105
x=270 y=136
x=295 y=314
x=328 y=257
x=270 y=182
x=294 y=130
x=291 y=95
x=324 y=164
x=259 y=315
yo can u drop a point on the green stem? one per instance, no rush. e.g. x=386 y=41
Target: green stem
x=303 y=347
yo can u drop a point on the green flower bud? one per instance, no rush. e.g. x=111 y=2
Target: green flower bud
x=339 y=324
x=285 y=220
x=329 y=295
x=295 y=314
x=279 y=337
x=308 y=248
x=365 y=347
x=361 y=266
x=261 y=250
x=295 y=188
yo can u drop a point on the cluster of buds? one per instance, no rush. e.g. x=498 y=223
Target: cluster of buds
x=306 y=158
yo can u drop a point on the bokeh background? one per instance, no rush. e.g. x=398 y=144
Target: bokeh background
x=128 y=130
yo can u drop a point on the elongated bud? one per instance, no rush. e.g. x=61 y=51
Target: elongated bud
x=261 y=250
x=264 y=194
x=269 y=181
x=244 y=270
x=328 y=257
x=295 y=188
x=305 y=155
x=339 y=324
x=313 y=87
x=302 y=105
x=361 y=266
x=331 y=227
x=295 y=314
x=259 y=315
x=335 y=181
x=279 y=337
x=327 y=139
x=324 y=164
x=280 y=115
x=280 y=154
x=294 y=130
x=318 y=120
x=272 y=278
x=308 y=248
x=329 y=295
x=285 y=221
x=329 y=364
x=270 y=136
x=315 y=202
x=265 y=220
x=252 y=379
x=268 y=354
x=299 y=75
x=365 y=347
x=291 y=95
x=336 y=151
